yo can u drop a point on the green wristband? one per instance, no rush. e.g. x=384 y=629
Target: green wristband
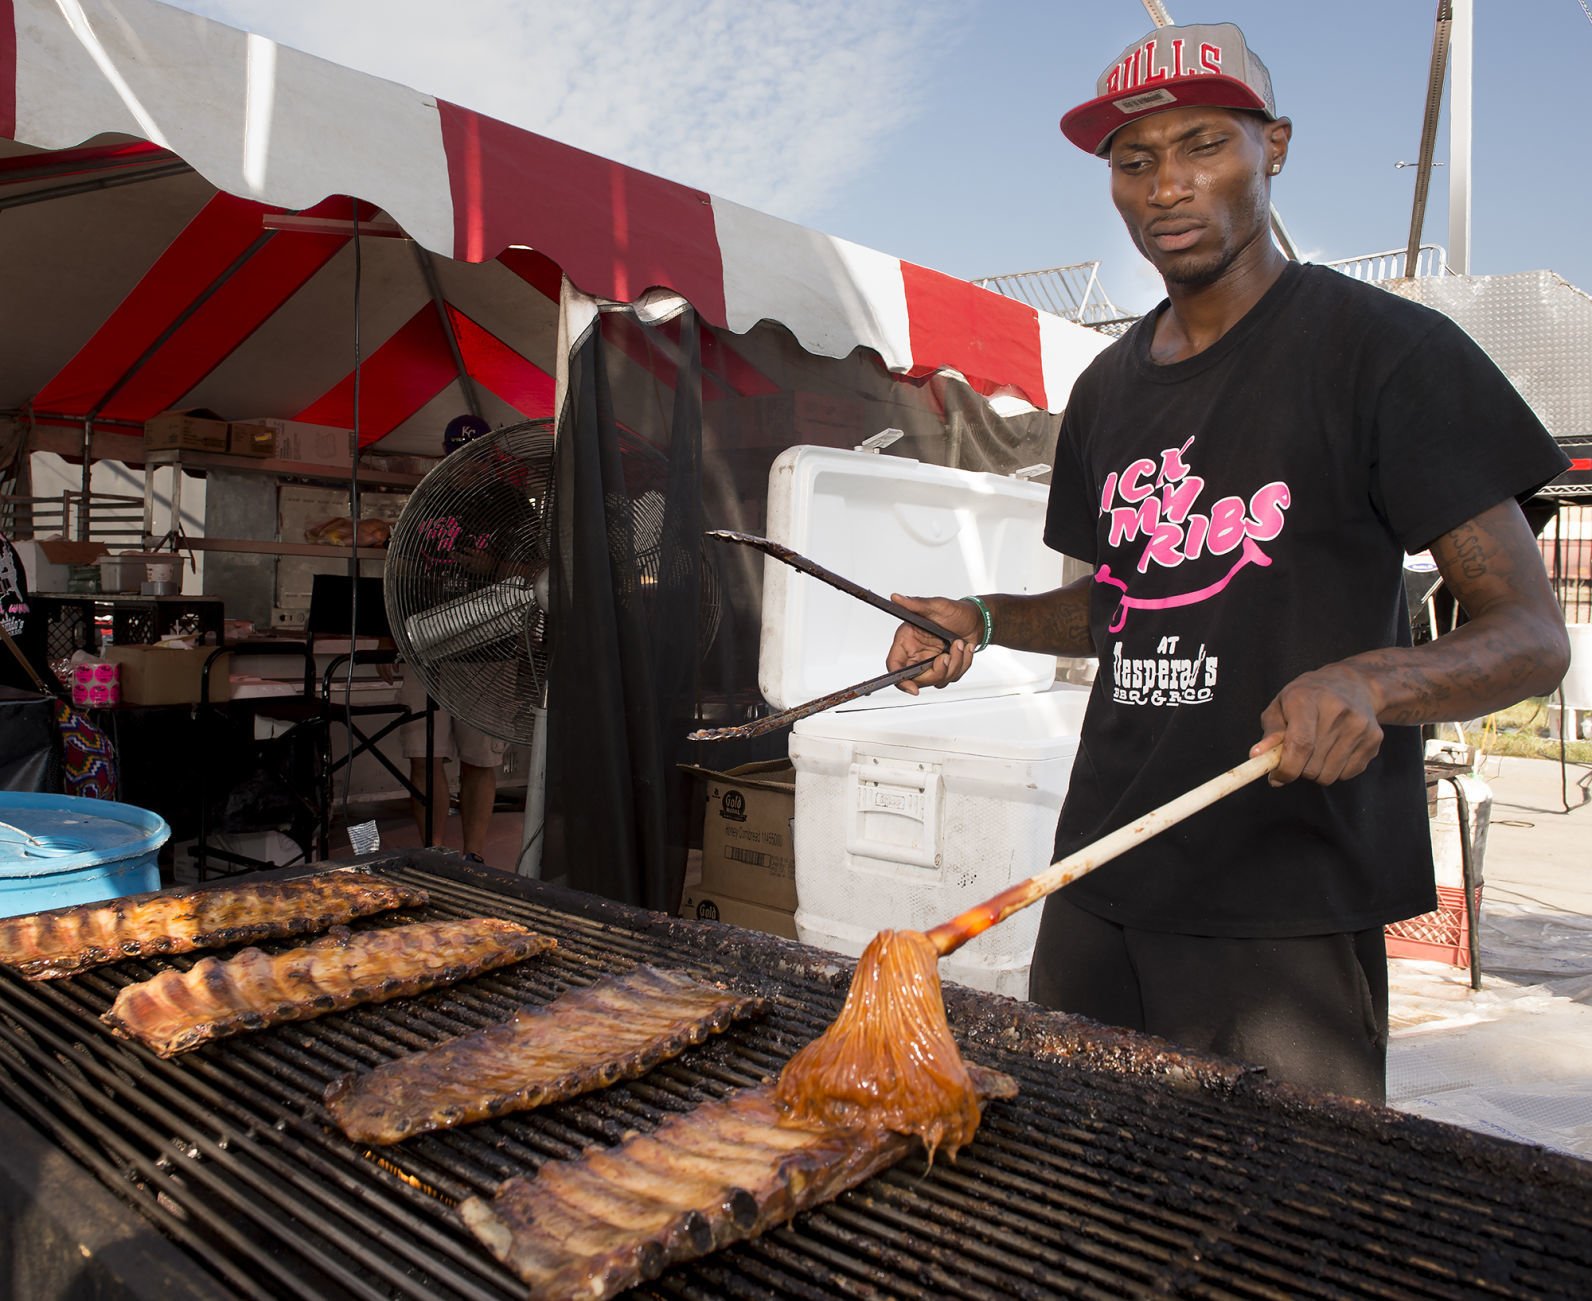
x=989 y=623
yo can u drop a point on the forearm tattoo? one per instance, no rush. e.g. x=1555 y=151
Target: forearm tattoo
x=1053 y=623
x=1512 y=646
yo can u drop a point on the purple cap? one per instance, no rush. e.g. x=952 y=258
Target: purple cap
x=461 y=430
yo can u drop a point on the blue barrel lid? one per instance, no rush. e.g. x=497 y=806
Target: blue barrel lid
x=44 y=834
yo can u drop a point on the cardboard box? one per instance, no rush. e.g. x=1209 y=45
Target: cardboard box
x=48 y=562
x=700 y=905
x=193 y=433
x=245 y=439
x=157 y=675
x=747 y=843
x=311 y=444
x=62 y=551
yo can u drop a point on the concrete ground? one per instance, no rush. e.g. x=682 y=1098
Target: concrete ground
x=1515 y=1057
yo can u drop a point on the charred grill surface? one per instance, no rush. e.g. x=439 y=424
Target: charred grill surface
x=617 y=1029
x=721 y=1174
x=1122 y=1168
x=43 y=946
x=179 y=1010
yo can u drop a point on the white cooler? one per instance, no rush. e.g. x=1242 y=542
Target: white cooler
x=910 y=810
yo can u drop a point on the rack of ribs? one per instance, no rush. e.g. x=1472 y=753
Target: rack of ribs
x=178 y=1010
x=727 y=1171
x=585 y=1039
x=64 y=941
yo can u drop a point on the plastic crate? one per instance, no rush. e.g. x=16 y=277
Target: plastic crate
x=1439 y=936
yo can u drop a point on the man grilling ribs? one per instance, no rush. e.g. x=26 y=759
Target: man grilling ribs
x=1244 y=472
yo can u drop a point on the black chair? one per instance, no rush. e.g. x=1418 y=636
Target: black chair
x=349 y=609
x=251 y=784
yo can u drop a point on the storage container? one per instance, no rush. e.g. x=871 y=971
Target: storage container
x=1442 y=935
x=173 y=429
x=58 y=850
x=906 y=817
x=909 y=810
x=120 y=573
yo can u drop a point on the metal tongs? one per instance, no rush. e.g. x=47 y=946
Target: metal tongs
x=785 y=717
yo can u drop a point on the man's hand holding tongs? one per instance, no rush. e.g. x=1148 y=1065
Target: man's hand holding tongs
x=935 y=664
x=913 y=644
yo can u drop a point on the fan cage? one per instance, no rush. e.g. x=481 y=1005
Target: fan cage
x=466 y=580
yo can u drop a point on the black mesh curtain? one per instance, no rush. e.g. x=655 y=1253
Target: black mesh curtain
x=626 y=601
x=669 y=430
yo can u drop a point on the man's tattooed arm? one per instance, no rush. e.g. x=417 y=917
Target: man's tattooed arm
x=1514 y=645
x=1056 y=622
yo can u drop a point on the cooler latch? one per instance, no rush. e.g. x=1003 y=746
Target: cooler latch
x=895 y=811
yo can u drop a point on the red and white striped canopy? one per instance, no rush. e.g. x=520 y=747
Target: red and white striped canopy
x=150 y=290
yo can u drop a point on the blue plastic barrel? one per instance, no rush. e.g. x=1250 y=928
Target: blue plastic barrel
x=57 y=850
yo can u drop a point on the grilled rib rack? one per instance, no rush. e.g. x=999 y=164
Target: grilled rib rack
x=1122 y=1168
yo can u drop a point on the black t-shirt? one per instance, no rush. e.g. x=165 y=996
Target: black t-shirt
x=1246 y=512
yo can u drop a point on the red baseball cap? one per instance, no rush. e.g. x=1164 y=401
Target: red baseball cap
x=1172 y=67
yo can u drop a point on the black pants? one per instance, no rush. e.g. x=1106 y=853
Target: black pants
x=1312 y=1010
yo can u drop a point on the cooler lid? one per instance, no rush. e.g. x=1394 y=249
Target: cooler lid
x=1028 y=728
x=893 y=525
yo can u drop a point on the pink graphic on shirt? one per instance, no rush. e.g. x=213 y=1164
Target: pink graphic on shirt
x=1250 y=555
x=1155 y=499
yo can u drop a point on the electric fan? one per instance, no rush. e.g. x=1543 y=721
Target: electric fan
x=467 y=586
x=466 y=580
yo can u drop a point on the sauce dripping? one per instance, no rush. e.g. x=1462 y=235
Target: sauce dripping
x=888 y=1061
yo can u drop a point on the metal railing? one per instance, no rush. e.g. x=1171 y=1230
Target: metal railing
x=1567 y=551
x=1432 y=260
x=113 y=518
x=1073 y=291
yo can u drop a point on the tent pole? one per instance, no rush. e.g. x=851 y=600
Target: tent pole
x=88 y=470
x=89 y=187
x=428 y=269
x=576 y=312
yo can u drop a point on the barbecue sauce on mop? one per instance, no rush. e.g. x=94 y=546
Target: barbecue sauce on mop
x=888 y=1061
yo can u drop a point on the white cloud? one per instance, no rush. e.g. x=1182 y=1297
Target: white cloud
x=776 y=104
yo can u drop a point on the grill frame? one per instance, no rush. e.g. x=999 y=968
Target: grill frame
x=1124 y=1166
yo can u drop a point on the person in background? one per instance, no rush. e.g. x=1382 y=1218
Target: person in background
x=1244 y=472
x=478 y=755
x=22 y=623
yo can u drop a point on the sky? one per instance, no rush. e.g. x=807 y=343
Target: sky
x=928 y=128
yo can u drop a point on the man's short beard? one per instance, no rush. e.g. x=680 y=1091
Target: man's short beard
x=1197 y=275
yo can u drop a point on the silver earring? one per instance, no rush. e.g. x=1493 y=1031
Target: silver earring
x=1275 y=168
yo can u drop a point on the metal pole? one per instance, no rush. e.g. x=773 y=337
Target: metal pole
x=1460 y=46
x=533 y=835
x=1434 y=102
x=428 y=270
x=88 y=469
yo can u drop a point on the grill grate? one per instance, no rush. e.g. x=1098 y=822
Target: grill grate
x=1120 y=1168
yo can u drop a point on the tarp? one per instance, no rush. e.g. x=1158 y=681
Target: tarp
x=199 y=277
x=189 y=215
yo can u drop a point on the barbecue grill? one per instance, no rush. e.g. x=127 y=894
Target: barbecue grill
x=1123 y=1167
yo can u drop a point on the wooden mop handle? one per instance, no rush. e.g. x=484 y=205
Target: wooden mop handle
x=949 y=936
